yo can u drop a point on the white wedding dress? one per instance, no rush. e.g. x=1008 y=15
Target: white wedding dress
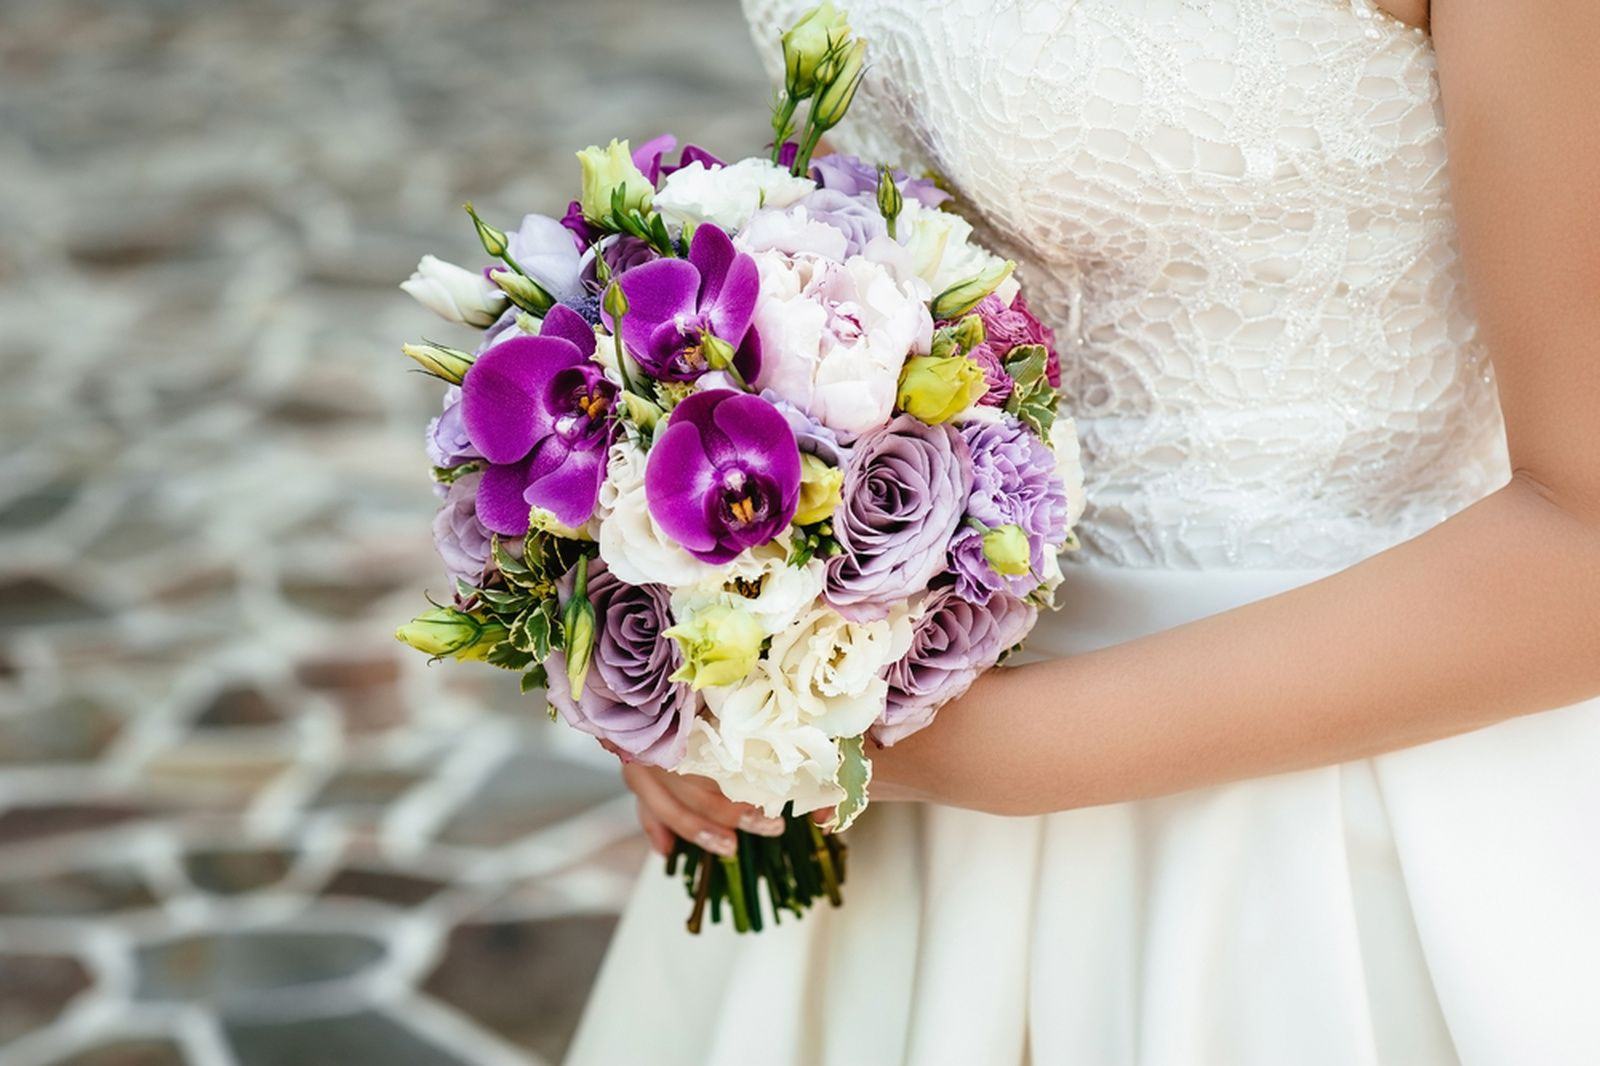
x=1237 y=215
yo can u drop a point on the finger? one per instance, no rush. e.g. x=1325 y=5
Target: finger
x=660 y=837
x=687 y=824
x=702 y=796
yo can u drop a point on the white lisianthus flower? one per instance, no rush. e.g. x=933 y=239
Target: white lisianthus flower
x=942 y=250
x=835 y=335
x=632 y=545
x=728 y=195
x=758 y=753
x=760 y=582
x=455 y=293
x=831 y=668
x=1069 y=464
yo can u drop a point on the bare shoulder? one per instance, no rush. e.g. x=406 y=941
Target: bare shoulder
x=1412 y=12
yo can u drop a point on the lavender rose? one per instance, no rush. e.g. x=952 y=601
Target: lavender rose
x=462 y=540
x=904 y=492
x=1014 y=483
x=860 y=221
x=955 y=641
x=627 y=698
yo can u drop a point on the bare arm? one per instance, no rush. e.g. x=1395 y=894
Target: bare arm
x=1493 y=614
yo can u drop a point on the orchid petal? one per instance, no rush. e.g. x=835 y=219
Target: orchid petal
x=500 y=505
x=677 y=478
x=568 y=485
x=501 y=394
x=657 y=292
x=564 y=323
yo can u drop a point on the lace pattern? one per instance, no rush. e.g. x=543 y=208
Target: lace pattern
x=1237 y=215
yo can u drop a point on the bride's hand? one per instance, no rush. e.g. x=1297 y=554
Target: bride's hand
x=692 y=808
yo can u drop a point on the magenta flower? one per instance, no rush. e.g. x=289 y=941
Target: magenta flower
x=1008 y=325
x=539 y=411
x=725 y=476
x=674 y=304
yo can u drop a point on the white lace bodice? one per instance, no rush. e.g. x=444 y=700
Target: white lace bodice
x=1236 y=215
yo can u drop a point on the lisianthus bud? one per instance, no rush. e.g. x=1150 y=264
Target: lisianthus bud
x=717 y=352
x=493 y=240
x=1006 y=548
x=577 y=626
x=446 y=364
x=806 y=44
x=969 y=332
x=524 y=291
x=844 y=76
x=720 y=646
x=890 y=202
x=544 y=519
x=640 y=411
x=615 y=302
x=446 y=631
x=607 y=169
x=935 y=390
x=455 y=293
x=820 y=489
x=963 y=296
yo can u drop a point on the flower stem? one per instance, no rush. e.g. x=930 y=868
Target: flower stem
x=780 y=125
x=830 y=877
x=701 y=893
x=741 y=912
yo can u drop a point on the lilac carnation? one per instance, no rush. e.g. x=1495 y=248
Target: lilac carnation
x=856 y=177
x=627 y=697
x=903 y=495
x=463 y=542
x=955 y=641
x=1014 y=482
x=812 y=436
x=1000 y=383
x=447 y=443
x=859 y=220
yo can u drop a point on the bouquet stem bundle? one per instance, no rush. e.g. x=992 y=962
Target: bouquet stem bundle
x=797 y=869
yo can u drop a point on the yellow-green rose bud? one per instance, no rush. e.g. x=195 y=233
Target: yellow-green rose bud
x=1006 y=548
x=446 y=364
x=607 y=169
x=969 y=332
x=445 y=631
x=963 y=296
x=720 y=646
x=806 y=44
x=820 y=487
x=935 y=390
x=843 y=75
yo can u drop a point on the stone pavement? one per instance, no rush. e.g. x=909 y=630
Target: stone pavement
x=239 y=824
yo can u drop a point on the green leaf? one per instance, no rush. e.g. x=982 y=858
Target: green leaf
x=855 y=775
x=1026 y=364
x=508 y=656
x=534 y=679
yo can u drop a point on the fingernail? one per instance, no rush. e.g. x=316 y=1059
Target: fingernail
x=761 y=826
x=712 y=842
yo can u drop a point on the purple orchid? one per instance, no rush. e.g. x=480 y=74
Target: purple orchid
x=538 y=409
x=675 y=304
x=725 y=476
x=649 y=155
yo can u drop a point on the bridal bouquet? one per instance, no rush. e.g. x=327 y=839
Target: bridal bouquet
x=755 y=465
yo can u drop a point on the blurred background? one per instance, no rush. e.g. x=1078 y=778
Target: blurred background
x=239 y=823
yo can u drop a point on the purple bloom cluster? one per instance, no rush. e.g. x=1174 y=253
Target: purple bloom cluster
x=1014 y=482
x=856 y=177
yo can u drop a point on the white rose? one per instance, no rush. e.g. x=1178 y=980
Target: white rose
x=835 y=335
x=1069 y=464
x=728 y=195
x=759 y=753
x=832 y=668
x=455 y=293
x=632 y=545
x=942 y=250
x=760 y=582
